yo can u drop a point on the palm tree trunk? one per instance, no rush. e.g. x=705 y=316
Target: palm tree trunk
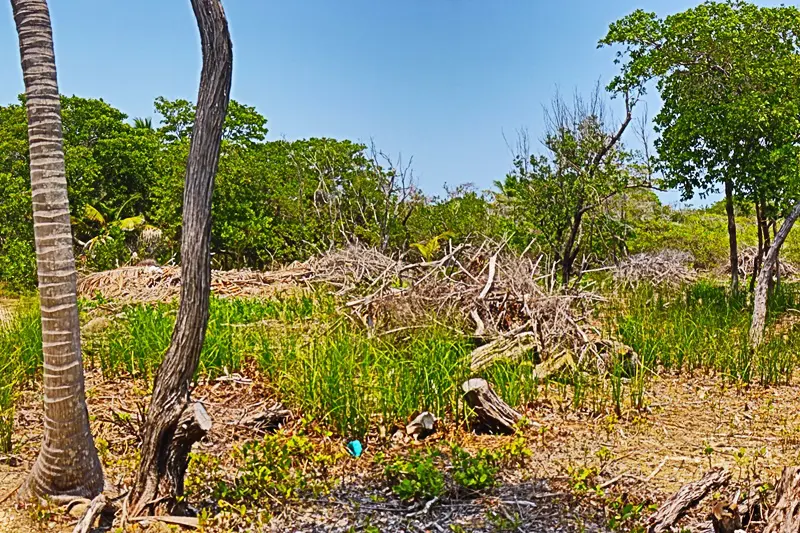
x=174 y=423
x=67 y=464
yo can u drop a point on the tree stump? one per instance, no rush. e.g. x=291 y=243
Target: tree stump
x=493 y=413
x=687 y=497
x=785 y=517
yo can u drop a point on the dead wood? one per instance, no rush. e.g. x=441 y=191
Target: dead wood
x=267 y=420
x=725 y=517
x=785 y=518
x=686 y=498
x=97 y=505
x=494 y=415
x=667 y=267
x=422 y=426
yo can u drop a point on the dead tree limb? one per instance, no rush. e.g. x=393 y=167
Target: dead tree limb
x=159 y=478
x=762 y=289
x=687 y=497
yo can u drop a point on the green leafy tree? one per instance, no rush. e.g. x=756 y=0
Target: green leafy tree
x=727 y=73
x=559 y=200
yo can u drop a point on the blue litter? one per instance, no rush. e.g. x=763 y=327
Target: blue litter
x=354 y=447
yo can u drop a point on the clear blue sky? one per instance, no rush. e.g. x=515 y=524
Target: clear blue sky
x=439 y=80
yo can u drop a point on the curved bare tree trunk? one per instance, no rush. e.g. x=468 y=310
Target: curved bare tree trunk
x=67 y=464
x=764 y=278
x=173 y=422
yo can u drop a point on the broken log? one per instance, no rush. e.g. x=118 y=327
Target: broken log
x=785 y=517
x=687 y=497
x=493 y=413
x=725 y=517
x=422 y=426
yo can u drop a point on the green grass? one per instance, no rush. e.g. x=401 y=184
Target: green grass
x=346 y=379
x=20 y=360
x=704 y=327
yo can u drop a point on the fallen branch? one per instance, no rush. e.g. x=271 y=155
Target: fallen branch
x=95 y=508
x=687 y=497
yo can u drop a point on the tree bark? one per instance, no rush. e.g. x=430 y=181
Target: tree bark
x=734 y=248
x=494 y=415
x=687 y=497
x=570 y=252
x=162 y=467
x=785 y=518
x=760 y=254
x=762 y=289
x=67 y=465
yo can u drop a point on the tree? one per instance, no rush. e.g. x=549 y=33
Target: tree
x=728 y=75
x=67 y=465
x=173 y=422
x=557 y=199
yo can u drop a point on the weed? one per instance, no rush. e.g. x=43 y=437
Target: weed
x=474 y=472
x=277 y=467
x=415 y=477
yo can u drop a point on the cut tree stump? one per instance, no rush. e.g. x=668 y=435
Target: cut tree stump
x=785 y=517
x=493 y=413
x=687 y=497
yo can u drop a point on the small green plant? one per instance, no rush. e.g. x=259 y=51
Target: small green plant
x=504 y=521
x=277 y=467
x=582 y=478
x=415 y=477
x=626 y=516
x=474 y=472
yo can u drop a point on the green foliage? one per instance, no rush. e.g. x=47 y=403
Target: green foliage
x=705 y=327
x=277 y=467
x=728 y=75
x=342 y=377
x=20 y=360
x=560 y=201
x=415 y=477
x=474 y=472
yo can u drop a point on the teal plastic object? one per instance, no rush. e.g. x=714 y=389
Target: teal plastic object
x=354 y=447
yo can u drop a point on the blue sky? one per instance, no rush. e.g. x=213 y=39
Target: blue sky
x=439 y=80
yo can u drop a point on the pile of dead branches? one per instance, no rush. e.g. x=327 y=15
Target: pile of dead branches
x=667 y=267
x=514 y=303
x=351 y=267
x=162 y=283
x=747 y=262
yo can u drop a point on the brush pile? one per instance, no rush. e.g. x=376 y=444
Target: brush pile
x=514 y=303
x=667 y=267
x=747 y=262
x=163 y=283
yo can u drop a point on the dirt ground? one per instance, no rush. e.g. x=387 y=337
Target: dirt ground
x=689 y=425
